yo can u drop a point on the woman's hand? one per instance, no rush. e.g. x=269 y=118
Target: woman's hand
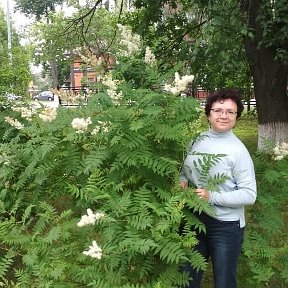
x=202 y=193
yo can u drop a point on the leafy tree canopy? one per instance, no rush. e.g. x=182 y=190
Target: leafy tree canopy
x=37 y=8
x=63 y=37
x=188 y=32
x=213 y=49
x=14 y=64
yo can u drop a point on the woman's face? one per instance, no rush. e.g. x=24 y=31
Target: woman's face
x=223 y=115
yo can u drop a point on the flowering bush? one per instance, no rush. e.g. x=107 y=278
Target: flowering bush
x=119 y=159
x=130 y=42
x=180 y=84
x=119 y=156
x=81 y=124
x=280 y=150
x=14 y=123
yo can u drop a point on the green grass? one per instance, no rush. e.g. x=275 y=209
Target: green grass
x=247 y=131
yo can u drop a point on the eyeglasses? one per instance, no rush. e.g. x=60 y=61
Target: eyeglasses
x=220 y=111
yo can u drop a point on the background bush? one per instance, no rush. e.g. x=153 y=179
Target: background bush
x=127 y=170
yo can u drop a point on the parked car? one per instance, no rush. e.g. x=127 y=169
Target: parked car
x=44 y=95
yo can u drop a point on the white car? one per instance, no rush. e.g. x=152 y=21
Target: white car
x=11 y=96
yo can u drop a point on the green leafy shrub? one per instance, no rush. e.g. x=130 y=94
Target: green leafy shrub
x=265 y=255
x=123 y=162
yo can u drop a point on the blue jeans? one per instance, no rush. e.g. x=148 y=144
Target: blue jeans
x=222 y=243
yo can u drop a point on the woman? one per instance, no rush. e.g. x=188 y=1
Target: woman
x=224 y=231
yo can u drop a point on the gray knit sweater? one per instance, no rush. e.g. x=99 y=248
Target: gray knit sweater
x=239 y=189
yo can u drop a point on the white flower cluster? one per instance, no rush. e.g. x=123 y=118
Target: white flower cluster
x=48 y=114
x=80 y=124
x=149 y=57
x=90 y=218
x=94 y=251
x=115 y=97
x=90 y=59
x=129 y=40
x=25 y=112
x=180 y=84
x=112 y=90
x=77 y=51
x=102 y=125
x=110 y=82
x=280 y=151
x=4 y=159
x=96 y=130
x=14 y=122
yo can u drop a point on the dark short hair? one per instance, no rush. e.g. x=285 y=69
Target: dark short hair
x=223 y=94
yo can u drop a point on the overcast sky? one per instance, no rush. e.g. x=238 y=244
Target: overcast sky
x=18 y=19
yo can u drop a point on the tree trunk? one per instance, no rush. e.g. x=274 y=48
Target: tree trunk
x=270 y=81
x=54 y=73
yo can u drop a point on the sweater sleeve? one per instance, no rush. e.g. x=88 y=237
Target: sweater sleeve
x=245 y=190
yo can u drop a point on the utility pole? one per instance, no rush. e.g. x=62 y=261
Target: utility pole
x=9 y=32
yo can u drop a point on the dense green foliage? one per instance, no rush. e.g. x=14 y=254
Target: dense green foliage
x=265 y=246
x=205 y=36
x=14 y=62
x=66 y=38
x=129 y=172
x=37 y=8
x=225 y=43
x=124 y=162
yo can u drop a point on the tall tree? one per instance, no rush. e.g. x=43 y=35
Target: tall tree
x=266 y=45
x=50 y=45
x=257 y=30
x=14 y=70
x=63 y=38
x=41 y=9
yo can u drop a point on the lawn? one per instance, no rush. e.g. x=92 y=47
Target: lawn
x=247 y=130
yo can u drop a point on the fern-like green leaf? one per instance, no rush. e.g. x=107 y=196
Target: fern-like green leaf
x=94 y=160
x=6 y=263
x=170 y=251
x=27 y=213
x=53 y=235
